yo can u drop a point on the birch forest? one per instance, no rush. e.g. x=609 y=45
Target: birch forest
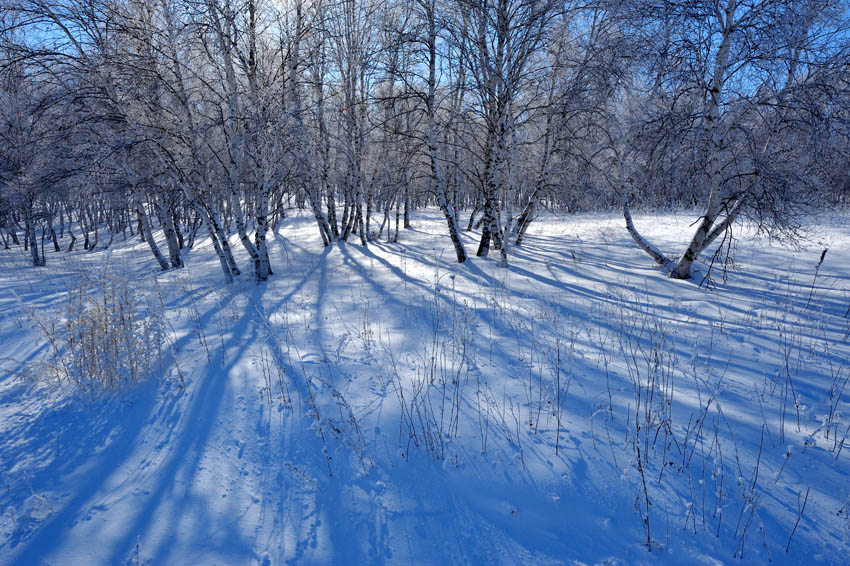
x=208 y=119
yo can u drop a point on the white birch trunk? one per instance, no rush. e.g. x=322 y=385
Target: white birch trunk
x=714 y=170
x=436 y=177
x=145 y=225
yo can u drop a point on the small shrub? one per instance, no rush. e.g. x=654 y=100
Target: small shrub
x=106 y=337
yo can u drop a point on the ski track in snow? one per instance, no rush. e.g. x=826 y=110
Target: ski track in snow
x=388 y=406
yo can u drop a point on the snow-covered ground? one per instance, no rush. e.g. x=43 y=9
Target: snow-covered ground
x=388 y=406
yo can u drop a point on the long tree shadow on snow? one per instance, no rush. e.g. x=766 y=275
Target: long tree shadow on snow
x=120 y=427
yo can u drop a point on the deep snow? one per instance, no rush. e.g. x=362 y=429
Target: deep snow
x=386 y=405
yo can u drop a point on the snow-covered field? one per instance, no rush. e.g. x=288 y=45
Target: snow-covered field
x=388 y=406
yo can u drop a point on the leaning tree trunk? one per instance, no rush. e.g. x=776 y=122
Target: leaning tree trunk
x=226 y=266
x=714 y=169
x=242 y=230
x=145 y=226
x=530 y=210
x=708 y=228
x=226 y=250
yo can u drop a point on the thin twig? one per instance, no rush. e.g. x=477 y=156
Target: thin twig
x=799 y=516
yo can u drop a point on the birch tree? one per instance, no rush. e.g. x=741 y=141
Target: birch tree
x=500 y=40
x=745 y=60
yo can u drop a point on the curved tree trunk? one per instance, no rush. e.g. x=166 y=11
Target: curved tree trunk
x=145 y=226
